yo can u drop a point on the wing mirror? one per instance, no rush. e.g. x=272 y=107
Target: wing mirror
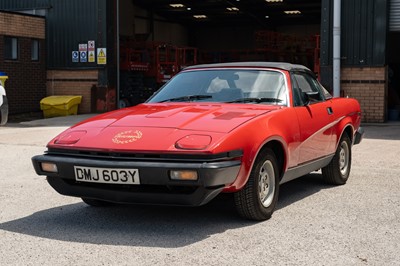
x=312 y=96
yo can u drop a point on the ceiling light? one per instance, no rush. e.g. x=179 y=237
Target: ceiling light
x=176 y=5
x=200 y=16
x=235 y=9
x=292 y=12
x=266 y=16
x=188 y=8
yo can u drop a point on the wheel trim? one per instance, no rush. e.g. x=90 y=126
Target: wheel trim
x=344 y=158
x=266 y=183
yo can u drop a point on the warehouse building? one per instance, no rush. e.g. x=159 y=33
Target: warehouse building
x=117 y=53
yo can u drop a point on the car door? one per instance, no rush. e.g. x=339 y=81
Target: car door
x=314 y=114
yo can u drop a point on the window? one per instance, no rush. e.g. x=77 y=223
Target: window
x=226 y=85
x=306 y=84
x=10 y=48
x=35 y=50
x=38 y=12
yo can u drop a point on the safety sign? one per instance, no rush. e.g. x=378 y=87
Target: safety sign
x=75 y=56
x=101 y=56
x=83 y=47
x=91 y=56
x=83 y=56
x=91 y=45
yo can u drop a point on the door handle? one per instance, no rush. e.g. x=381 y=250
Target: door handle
x=330 y=111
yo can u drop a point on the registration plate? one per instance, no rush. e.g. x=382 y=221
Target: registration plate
x=107 y=175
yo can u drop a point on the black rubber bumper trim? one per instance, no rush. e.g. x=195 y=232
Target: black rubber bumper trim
x=199 y=197
x=359 y=135
x=213 y=177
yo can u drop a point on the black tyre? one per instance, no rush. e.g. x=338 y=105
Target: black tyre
x=258 y=198
x=338 y=170
x=96 y=203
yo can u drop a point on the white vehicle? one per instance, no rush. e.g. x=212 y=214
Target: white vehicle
x=3 y=106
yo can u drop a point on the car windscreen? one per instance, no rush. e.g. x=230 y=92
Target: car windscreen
x=225 y=85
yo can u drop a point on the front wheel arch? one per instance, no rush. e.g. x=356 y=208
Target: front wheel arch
x=276 y=145
x=279 y=151
x=258 y=198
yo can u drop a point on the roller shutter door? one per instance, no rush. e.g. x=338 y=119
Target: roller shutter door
x=394 y=15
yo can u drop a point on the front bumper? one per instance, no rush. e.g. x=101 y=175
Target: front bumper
x=359 y=135
x=155 y=185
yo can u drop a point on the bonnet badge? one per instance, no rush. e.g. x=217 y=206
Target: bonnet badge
x=126 y=137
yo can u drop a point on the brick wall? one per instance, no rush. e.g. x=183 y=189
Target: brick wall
x=73 y=82
x=26 y=84
x=368 y=86
x=22 y=25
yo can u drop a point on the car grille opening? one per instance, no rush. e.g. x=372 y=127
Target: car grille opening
x=133 y=156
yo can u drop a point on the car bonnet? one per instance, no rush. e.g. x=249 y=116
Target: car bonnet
x=158 y=126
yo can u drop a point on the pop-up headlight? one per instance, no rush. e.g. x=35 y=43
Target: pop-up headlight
x=193 y=142
x=70 y=137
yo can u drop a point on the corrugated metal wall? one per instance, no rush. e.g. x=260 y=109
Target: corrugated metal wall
x=364 y=27
x=23 y=4
x=73 y=22
x=69 y=23
x=394 y=15
x=363 y=32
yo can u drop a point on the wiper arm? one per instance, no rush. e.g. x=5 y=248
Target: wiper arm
x=256 y=100
x=187 y=98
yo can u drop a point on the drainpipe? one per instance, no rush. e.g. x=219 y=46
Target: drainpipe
x=336 y=47
x=118 y=58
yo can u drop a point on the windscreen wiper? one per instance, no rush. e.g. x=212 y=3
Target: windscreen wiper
x=256 y=100
x=187 y=98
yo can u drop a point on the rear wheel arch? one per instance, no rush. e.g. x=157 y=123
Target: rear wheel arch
x=348 y=130
x=344 y=126
x=338 y=170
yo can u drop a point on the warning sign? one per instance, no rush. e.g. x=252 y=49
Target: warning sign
x=91 y=45
x=101 y=56
x=91 y=56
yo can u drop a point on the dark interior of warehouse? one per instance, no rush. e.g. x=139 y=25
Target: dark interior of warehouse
x=165 y=36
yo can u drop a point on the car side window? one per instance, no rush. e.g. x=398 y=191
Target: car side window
x=306 y=84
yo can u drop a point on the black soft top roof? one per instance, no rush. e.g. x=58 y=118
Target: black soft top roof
x=278 y=65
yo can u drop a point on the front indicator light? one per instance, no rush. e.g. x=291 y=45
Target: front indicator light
x=183 y=175
x=49 y=167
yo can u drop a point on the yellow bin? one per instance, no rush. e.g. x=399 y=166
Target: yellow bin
x=62 y=105
x=3 y=79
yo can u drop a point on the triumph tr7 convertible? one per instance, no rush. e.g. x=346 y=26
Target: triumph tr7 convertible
x=241 y=128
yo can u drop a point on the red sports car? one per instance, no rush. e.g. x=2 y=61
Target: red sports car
x=241 y=128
